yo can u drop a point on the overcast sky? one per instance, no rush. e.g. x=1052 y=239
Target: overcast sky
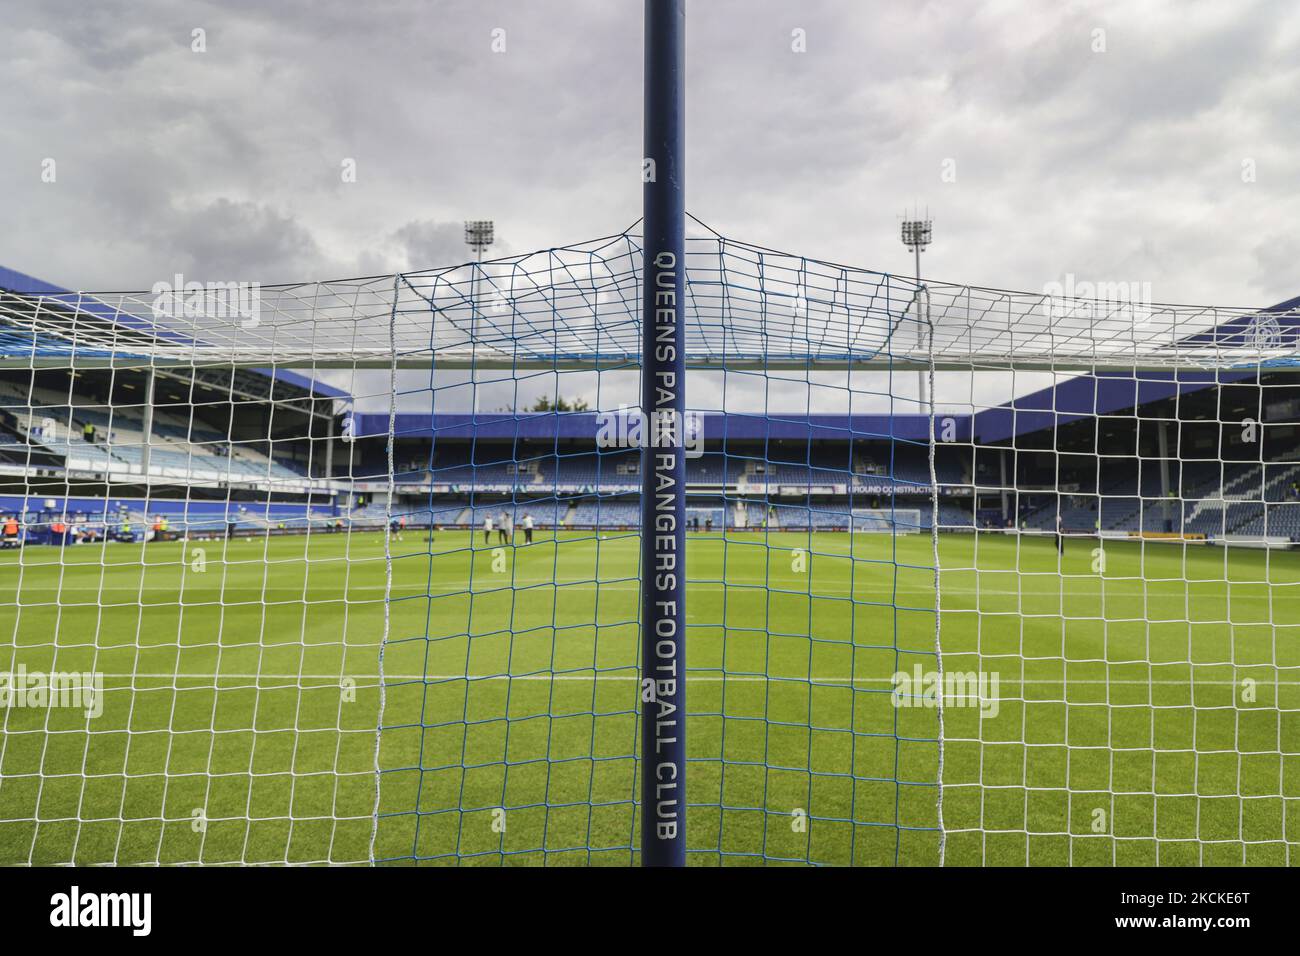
x=1115 y=141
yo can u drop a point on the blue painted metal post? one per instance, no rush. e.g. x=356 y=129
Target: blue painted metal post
x=663 y=455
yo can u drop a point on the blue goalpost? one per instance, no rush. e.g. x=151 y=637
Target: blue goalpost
x=663 y=470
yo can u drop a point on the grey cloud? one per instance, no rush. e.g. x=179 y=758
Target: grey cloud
x=427 y=245
x=243 y=240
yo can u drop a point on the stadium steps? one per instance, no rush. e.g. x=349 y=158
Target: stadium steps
x=1256 y=521
x=1209 y=512
x=1282 y=478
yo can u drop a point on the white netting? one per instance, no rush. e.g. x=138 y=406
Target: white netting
x=1107 y=565
x=577 y=305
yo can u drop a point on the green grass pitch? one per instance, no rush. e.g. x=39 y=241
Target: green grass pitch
x=1148 y=711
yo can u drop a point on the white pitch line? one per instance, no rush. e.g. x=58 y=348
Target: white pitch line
x=706 y=678
x=862 y=591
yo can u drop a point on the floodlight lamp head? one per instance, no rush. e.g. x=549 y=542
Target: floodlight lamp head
x=916 y=233
x=479 y=234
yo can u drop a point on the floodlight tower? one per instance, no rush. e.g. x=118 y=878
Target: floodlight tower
x=479 y=234
x=916 y=236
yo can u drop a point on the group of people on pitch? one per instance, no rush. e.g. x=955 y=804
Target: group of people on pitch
x=60 y=531
x=505 y=528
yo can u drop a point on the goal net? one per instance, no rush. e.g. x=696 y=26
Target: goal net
x=354 y=574
x=894 y=521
